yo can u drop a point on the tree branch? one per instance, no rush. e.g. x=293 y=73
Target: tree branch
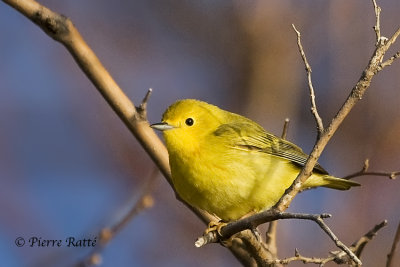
x=314 y=110
x=61 y=29
x=377 y=27
x=270 y=235
x=106 y=234
x=268 y=216
x=364 y=172
x=355 y=95
x=337 y=257
x=360 y=244
x=285 y=128
x=298 y=257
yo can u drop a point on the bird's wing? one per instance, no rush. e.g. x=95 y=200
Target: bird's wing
x=251 y=136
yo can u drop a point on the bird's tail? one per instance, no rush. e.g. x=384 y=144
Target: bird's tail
x=329 y=181
x=338 y=183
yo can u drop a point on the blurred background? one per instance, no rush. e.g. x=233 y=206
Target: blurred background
x=69 y=167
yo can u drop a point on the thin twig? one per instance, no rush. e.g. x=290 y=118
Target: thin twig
x=285 y=128
x=270 y=235
x=364 y=172
x=392 y=39
x=359 y=245
x=337 y=242
x=355 y=95
x=145 y=201
x=377 y=27
x=338 y=257
x=142 y=108
x=396 y=240
x=314 y=110
x=298 y=257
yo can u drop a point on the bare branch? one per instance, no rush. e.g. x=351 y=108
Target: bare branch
x=241 y=252
x=359 y=245
x=377 y=27
x=364 y=172
x=270 y=235
x=338 y=257
x=392 y=39
x=270 y=238
x=383 y=40
x=314 y=110
x=61 y=29
x=396 y=240
x=144 y=202
x=356 y=94
x=268 y=216
x=142 y=109
x=285 y=128
x=298 y=257
x=337 y=242
x=389 y=61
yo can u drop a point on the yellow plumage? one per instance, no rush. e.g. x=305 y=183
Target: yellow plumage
x=227 y=164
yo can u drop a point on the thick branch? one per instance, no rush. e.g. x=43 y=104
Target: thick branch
x=61 y=29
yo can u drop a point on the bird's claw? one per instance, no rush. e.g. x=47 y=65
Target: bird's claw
x=215 y=226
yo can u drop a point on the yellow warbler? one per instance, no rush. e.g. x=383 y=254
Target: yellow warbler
x=229 y=165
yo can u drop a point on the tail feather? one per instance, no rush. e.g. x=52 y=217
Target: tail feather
x=329 y=182
x=338 y=183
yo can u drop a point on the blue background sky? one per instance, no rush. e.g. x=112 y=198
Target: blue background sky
x=69 y=167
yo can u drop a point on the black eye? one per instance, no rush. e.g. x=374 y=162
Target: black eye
x=189 y=121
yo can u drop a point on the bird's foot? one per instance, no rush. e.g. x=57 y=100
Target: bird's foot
x=215 y=226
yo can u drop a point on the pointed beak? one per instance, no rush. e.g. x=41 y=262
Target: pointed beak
x=162 y=126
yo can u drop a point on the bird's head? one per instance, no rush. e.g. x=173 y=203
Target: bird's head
x=187 y=122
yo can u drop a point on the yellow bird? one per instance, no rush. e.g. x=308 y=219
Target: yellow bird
x=229 y=165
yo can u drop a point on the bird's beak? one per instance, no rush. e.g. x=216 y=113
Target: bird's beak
x=162 y=126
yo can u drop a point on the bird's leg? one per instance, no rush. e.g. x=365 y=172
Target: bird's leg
x=215 y=226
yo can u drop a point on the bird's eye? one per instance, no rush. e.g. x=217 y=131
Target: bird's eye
x=189 y=121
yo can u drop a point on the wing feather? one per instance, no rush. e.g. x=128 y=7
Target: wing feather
x=250 y=136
